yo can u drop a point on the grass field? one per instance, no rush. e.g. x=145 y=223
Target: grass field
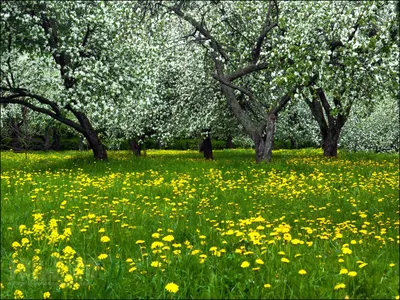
x=171 y=225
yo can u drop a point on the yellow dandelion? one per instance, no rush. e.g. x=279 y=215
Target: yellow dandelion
x=343 y=271
x=352 y=273
x=267 y=285
x=172 y=287
x=362 y=265
x=132 y=269
x=285 y=260
x=259 y=261
x=346 y=251
x=392 y=265
x=46 y=295
x=339 y=286
x=102 y=256
x=245 y=264
x=168 y=238
x=302 y=272
x=105 y=239
x=18 y=294
x=155 y=264
x=155 y=235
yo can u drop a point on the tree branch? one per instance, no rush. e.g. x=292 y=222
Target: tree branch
x=12 y=100
x=246 y=70
x=267 y=27
x=214 y=43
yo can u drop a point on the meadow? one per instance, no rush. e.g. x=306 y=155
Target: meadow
x=172 y=225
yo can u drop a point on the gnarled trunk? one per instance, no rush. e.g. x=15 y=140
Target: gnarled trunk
x=99 y=150
x=264 y=141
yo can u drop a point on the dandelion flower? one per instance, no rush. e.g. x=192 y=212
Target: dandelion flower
x=168 y=238
x=172 y=287
x=245 y=264
x=259 y=261
x=18 y=294
x=105 y=239
x=346 y=251
x=155 y=264
x=362 y=265
x=139 y=242
x=339 y=286
x=102 y=256
x=285 y=260
x=352 y=273
x=343 y=271
x=267 y=285
x=392 y=265
x=46 y=295
x=302 y=272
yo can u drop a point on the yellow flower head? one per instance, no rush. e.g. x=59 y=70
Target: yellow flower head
x=172 y=287
x=285 y=260
x=168 y=238
x=302 y=272
x=352 y=273
x=267 y=285
x=46 y=295
x=18 y=294
x=339 y=286
x=102 y=256
x=105 y=239
x=343 y=271
x=259 y=261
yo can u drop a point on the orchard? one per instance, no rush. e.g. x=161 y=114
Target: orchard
x=306 y=206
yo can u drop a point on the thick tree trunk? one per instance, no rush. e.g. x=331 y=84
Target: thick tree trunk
x=56 y=145
x=206 y=148
x=330 y=142
x=136 y=147
x=264 y=141
x=99 y=150
x=229 y=144
x=47 y=138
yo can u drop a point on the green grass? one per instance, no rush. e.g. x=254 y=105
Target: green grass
x=56 y=207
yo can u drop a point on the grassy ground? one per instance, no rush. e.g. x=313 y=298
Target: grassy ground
x=171 y=225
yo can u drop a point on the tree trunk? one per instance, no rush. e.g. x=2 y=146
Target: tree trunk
x=206 y=148
x=264 y=141
x=56 y=145
x=229 y=144
x=330 y=142
x=135 y=146
x=80 y=143
x=99 y=150
x=47 y=138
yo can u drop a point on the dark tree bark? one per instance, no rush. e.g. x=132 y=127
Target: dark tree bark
x=16 y=134
x=330 y=126
x=99 y=150
x=135 y=146
x=229 y=143
x=206 y=148
x=47 y=138
x=56 y=145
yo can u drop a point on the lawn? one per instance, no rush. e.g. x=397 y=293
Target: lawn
x=172 y=225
